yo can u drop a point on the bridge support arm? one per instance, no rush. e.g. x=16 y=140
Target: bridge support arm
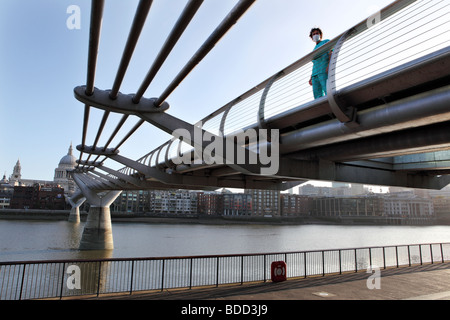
x=75 y=201
x=193 y=135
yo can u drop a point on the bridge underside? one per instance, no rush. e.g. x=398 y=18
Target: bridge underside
x=390 y=129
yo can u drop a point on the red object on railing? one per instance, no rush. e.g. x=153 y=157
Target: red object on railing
x=279 y=271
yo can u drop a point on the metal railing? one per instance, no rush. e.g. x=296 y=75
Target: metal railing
x=72 y=278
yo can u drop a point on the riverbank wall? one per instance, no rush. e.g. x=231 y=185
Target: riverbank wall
x=32 y=214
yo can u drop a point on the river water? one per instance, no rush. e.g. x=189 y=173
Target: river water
x=48 y=240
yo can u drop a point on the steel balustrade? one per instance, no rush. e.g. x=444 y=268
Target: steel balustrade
x=66 y=278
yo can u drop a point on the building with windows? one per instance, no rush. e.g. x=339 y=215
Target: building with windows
x=265 y=203
x=21 y=193
x=235 y=204
x=132 y=201
x=398 y=205
x=63 y=176
x=38 y=197
x=348 y=206
x=6 y=193
x=160 y=202
x=15 y=179
x=209 y=203
x=173 y=202
x=293 y=205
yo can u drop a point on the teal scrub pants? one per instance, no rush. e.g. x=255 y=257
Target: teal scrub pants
x=319 y=83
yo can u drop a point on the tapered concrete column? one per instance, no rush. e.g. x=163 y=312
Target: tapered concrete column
x=97 y=234
x=74 y=215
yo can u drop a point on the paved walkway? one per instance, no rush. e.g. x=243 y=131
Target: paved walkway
x=428 y=282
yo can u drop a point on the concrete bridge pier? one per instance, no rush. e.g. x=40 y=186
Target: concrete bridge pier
x=74 y=215
x=97 y=234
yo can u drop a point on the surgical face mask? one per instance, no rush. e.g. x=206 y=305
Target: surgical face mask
x=316 y=38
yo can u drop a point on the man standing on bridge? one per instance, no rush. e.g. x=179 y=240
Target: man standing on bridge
x=319 y=75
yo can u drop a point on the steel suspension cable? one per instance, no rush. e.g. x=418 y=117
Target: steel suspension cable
x=94 y=40
x=220 y=31
x=141 y=14
x=208 y=45
x=133 y=130
x=113 y=135
x=181 y=25
x=138 y=24
x=135 y=31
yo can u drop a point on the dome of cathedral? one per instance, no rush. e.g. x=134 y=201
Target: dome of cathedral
x=4 y=183
x=69 y=159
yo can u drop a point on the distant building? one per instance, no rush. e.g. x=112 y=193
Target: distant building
x=389 y=205
x=441 y=206
x=265 y=203
x=292 y=205
x=348 y=206
x=235 y=204
x=311 y=190
x=337 y=189
x=62 y=175
x=23 y=198
x=209 y=203
x=173 y=202
x=16 y=178
x=161 y=202
x=6 y=193
x=441 y=203
x=132 y=201
x=62 y=178
x=404 y=205
x=38 y=197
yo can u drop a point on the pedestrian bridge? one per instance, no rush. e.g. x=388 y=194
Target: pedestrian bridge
x=384 y=120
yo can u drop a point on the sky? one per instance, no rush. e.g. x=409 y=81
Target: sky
x=42 y=61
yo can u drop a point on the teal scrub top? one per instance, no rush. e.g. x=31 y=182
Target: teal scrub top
x=321 y=63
